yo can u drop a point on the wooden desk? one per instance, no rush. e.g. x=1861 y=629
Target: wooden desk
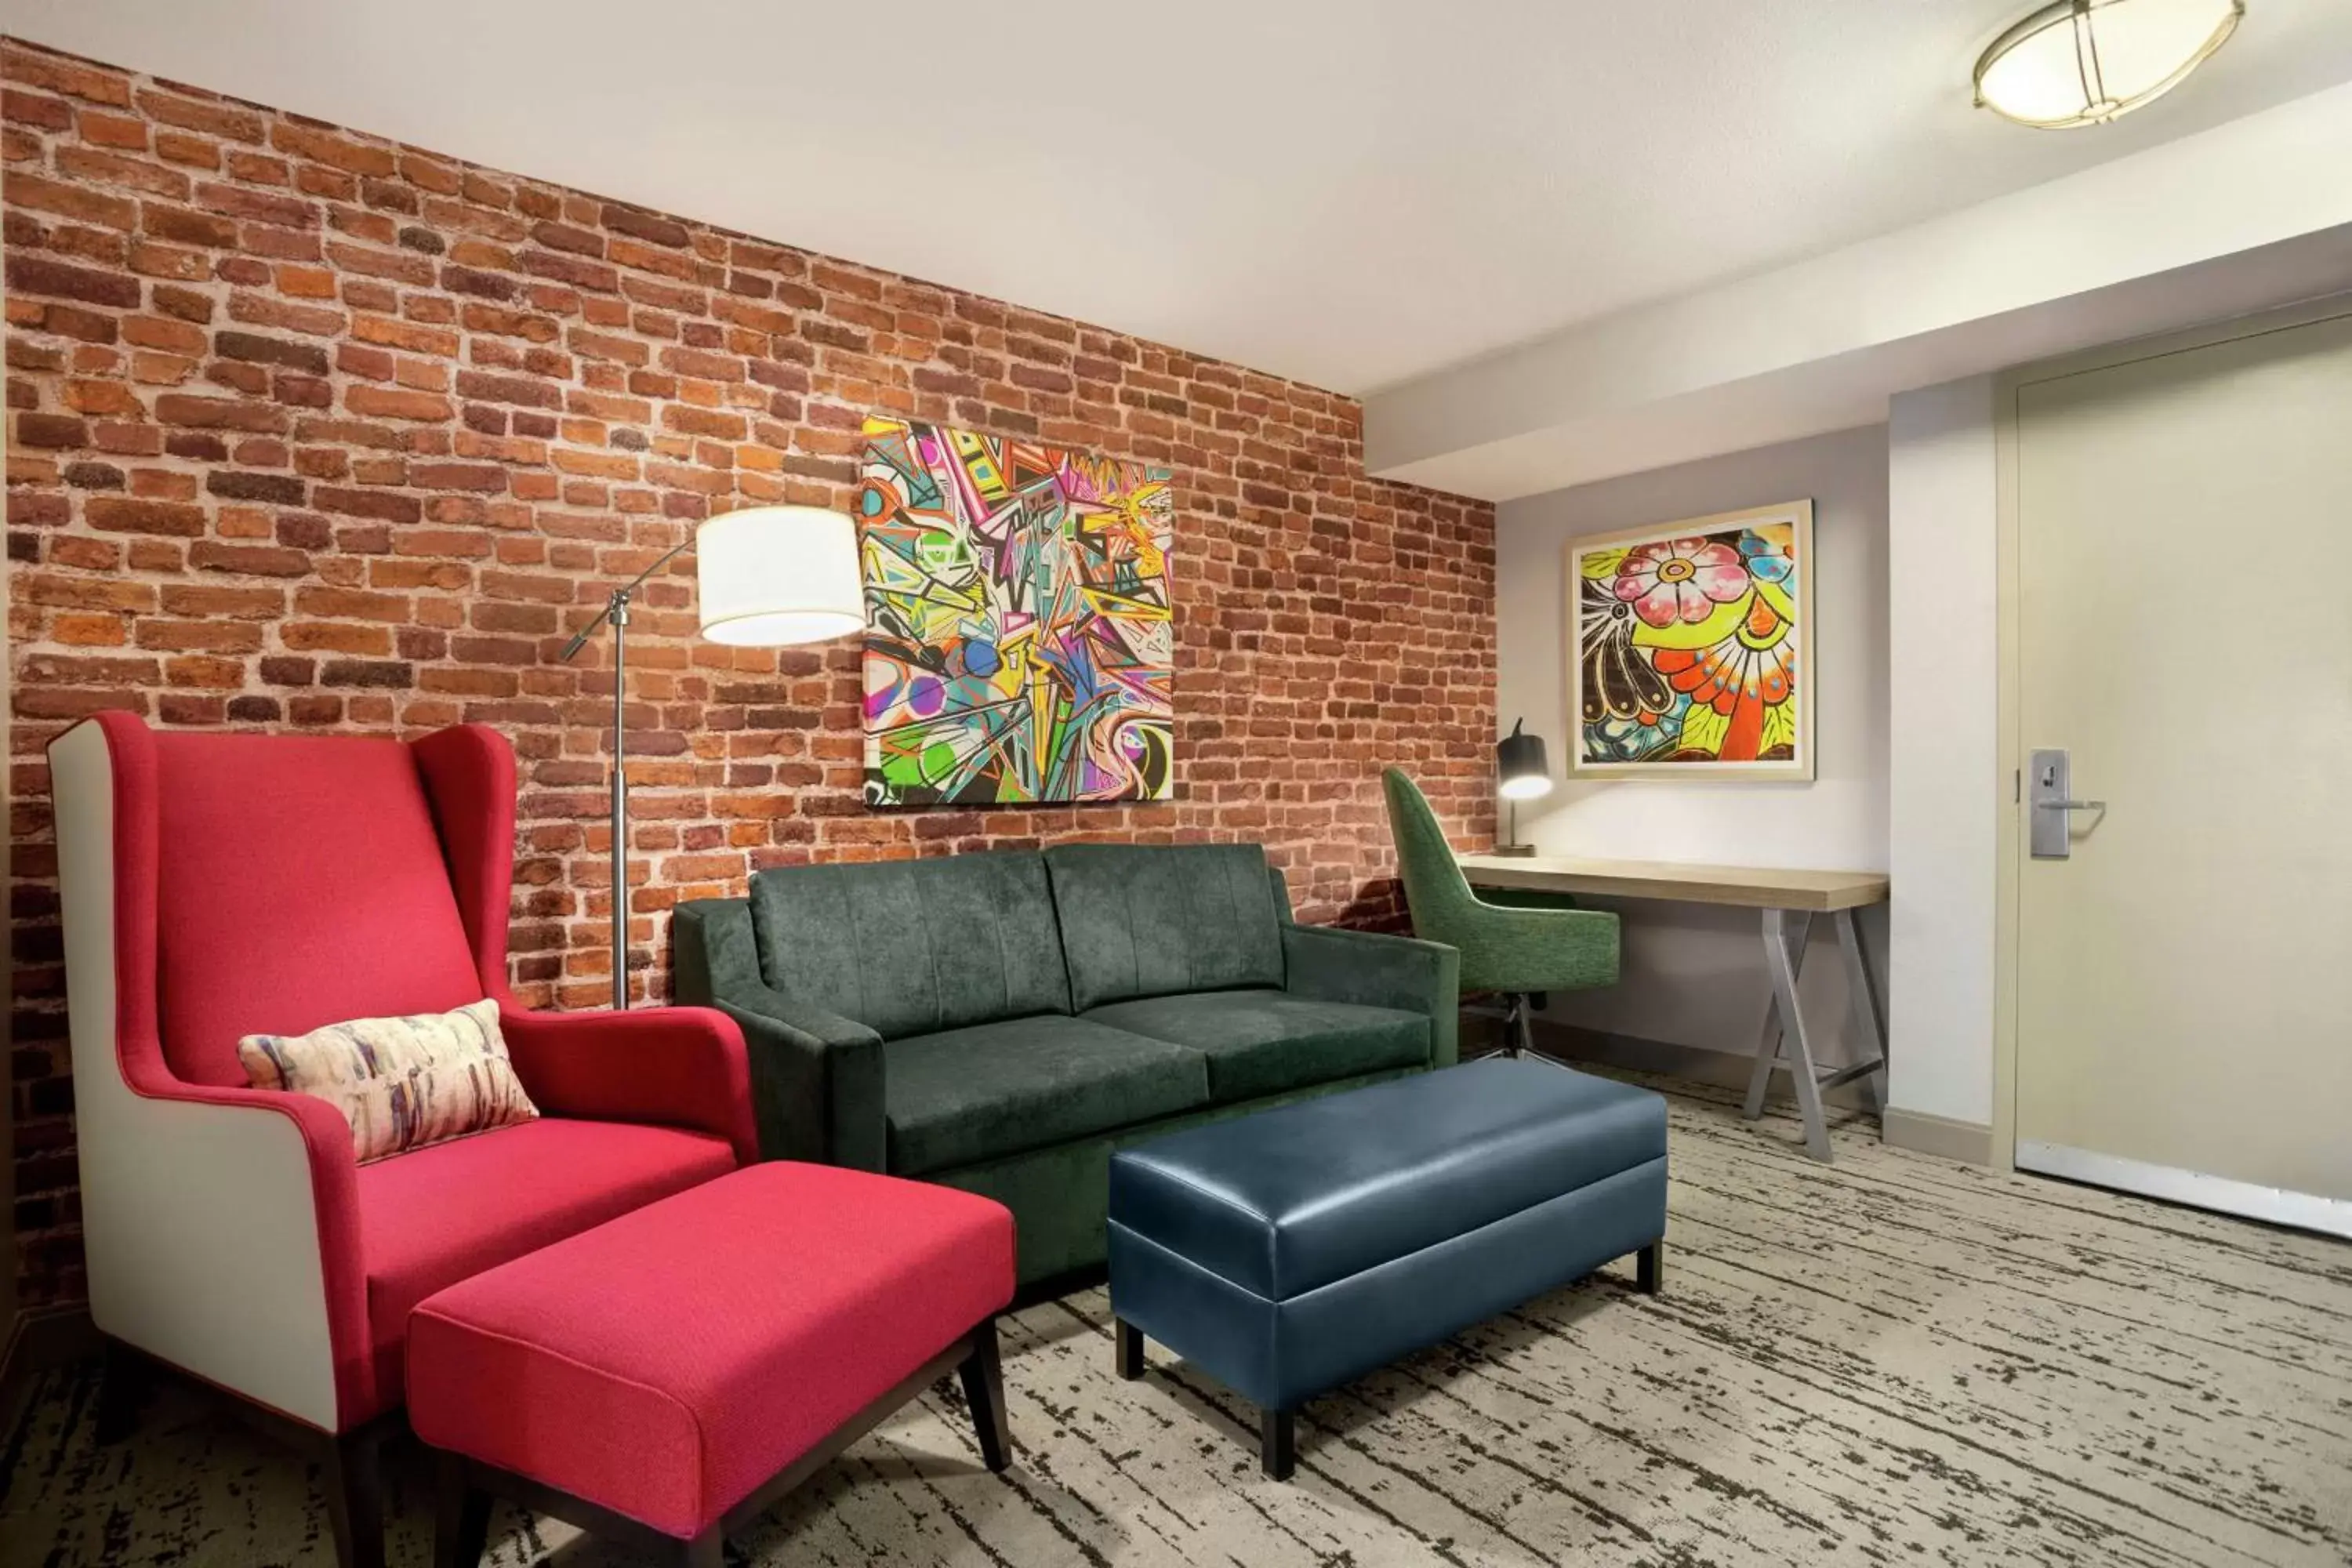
x=1789 y=900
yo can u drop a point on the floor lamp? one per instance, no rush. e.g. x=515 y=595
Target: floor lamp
x=767 y=576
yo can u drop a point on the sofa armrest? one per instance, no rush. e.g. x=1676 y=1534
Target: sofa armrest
x=816 y=1083
x=816 y=1076
x=680 y=1067
x=1335 y=965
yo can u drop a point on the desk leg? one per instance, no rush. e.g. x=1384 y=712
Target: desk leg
x=1869 y=1012
x=1783 y=952
x=1767 y=1050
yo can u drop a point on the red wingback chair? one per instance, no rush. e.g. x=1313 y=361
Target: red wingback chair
x=220 y=885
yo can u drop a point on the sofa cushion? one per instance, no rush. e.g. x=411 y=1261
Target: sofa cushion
x=1153 y=920
x=906 y=947
x=433 y=1216
x=1263 y=1042
x=981 y=1093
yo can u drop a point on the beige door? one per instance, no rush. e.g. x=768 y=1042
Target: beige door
x=2184 y=977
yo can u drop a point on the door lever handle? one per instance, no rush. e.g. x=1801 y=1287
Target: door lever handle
x=2070 y=805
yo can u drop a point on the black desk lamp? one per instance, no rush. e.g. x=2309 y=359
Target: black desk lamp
x=1525 y=774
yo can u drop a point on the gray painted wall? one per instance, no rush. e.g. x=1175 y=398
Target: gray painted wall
x=1695 y=975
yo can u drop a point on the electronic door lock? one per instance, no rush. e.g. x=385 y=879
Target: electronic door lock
x=2049 y=824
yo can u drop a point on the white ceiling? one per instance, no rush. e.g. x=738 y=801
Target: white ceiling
x=1351 y=192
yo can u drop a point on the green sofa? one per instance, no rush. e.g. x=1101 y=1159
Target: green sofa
x=1002 y=1021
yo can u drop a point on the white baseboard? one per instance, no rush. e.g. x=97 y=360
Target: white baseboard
x=1946 y=1137
x=2273 y=1205
x=1700 y=1064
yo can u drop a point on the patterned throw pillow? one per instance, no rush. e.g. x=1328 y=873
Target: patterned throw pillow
x=402 y=1083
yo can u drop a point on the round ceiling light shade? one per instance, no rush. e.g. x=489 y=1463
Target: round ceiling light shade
x=2083 y=62
x=776 y=574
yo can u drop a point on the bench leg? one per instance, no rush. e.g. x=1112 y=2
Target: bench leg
x=983 y=1389
x=1650 y=1268
x=708 y=1550
x=461 y=1523
x=1277 y=1443
x=1130 y=1349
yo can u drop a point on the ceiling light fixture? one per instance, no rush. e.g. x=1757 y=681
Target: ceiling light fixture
x=2083 y=62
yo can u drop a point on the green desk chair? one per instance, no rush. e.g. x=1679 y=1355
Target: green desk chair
x=1521 y=949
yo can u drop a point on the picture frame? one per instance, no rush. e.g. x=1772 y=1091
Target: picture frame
x=1020 y=644
x=1690 y=648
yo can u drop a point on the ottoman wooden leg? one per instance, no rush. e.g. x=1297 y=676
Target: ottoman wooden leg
x=708 y=1550
x=1277 y=1445
x=1650 y=1268
x=461 y=1524
x=983 y=1389
x=1130 y=1350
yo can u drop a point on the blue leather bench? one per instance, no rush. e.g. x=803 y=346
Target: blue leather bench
x=1288 y=1252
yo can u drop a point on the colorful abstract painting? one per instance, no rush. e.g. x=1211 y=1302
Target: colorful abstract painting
x=1692 y=648
x=1019 y=643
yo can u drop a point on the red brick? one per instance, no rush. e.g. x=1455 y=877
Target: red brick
x=604 y=378
x=405 y=335
x=39 y=275
x=249 y=560
x=61 y=73
x=396 y=403
x=529 y=390
x=119 y=131
x=122 y=514
x=214 y=117
x=336 y=151
x=157 y=332
x=273 y=490
x=78 y=202
x=102 y=397
x=33 y=109
x=219 y=413
x=645 y=226
x=457 y=476
x=235 y=604
x=233 y=201
x=184 y=226
x=260 y=310
x=259 y=350
x=385 y=505
x=184 y=304
x=61 y=431
x=98 y=167
x=344 y=603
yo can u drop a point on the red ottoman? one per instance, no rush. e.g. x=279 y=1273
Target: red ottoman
x=669 y=1374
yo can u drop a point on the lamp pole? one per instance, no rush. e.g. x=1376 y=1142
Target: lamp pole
x=616 y=615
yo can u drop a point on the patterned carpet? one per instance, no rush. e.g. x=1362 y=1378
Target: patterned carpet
x=1890 y=1361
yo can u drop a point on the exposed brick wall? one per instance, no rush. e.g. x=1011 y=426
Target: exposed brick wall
x=310 y=430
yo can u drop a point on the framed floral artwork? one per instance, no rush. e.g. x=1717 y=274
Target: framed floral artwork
x=1692 y=652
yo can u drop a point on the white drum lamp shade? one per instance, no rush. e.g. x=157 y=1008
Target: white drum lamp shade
x=2083 y=62
x=770 y=575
